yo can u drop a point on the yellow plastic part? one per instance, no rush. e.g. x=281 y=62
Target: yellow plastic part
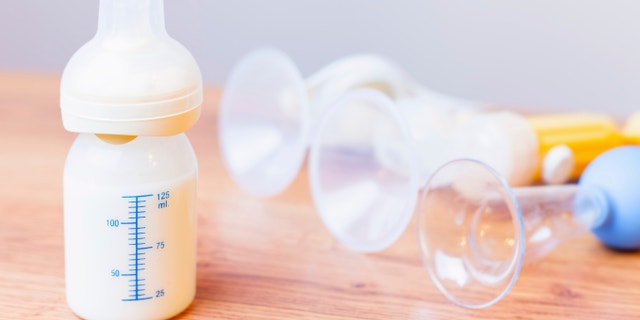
x=587 y=135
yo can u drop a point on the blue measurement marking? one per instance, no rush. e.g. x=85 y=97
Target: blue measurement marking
x=136 y=237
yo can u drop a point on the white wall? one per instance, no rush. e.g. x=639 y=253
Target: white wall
x=570 y=54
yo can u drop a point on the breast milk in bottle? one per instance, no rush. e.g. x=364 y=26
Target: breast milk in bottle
x=130 y=177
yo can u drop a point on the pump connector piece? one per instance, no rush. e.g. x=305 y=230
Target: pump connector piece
x=132 y=78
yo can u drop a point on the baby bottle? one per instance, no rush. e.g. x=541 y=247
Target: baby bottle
x=130 y=177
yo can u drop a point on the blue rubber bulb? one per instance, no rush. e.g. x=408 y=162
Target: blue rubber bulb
x=617 y=174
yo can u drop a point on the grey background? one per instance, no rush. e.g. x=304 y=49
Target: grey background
x=551 y=54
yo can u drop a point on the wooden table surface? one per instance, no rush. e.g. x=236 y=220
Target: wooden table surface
x=264 y=259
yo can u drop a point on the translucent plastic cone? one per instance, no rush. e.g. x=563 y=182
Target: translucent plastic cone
x=263 y=122
x=366 y=164
x=362 y=200
x=475 y=232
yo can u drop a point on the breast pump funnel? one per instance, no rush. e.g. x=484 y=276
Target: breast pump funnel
x=263 y=123
x=364 y=204
x=131 y=78
x=476 y=232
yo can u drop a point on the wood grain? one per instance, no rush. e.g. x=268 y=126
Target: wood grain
x=264 y=259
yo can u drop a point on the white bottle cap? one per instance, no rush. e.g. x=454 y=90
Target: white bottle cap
x=132 y=78
x=558 y=164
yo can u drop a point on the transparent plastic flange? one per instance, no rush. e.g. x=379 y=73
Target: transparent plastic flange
x=362 y=200
x=263 y=123
x=365 y=183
